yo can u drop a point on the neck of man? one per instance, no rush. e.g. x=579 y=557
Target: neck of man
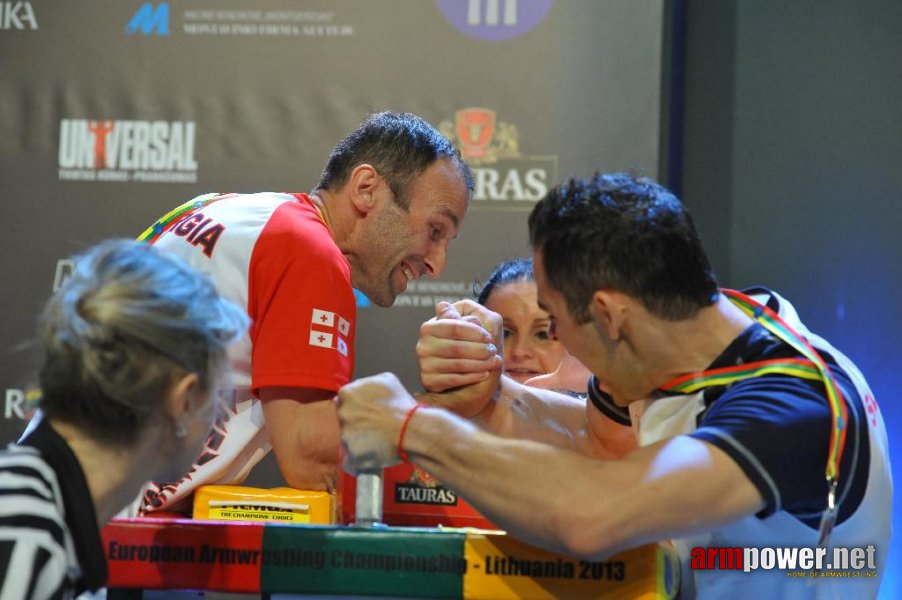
x=344 y=224
x=320 y=200
x=675 y=348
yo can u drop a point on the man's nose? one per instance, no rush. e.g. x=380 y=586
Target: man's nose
x=437 y=259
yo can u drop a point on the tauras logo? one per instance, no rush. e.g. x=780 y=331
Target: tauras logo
x=406 y=493
x=17 y=15
x=121 y=150
x=502 y=175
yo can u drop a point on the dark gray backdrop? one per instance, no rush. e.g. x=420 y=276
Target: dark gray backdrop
x=792 y=135
x=196 y=96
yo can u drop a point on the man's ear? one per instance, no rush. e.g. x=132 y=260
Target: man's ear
x=362 y=185
x=608 y=313
x=182 y=395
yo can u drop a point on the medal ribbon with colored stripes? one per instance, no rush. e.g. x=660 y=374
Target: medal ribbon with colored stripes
x=811 y=367
x=167 y=221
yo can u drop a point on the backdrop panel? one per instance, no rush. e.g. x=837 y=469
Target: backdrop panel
x=112 y=112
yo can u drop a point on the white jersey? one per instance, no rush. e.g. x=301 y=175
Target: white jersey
x=273 y=254
x=787 y=466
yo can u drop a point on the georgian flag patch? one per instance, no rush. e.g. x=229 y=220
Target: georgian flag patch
x=329 y=330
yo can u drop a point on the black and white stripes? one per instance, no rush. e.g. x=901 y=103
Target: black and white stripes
x=36 y=548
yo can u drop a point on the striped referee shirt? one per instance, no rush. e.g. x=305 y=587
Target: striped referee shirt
x=49 y=542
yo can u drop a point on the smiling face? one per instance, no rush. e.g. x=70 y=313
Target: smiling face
x=400 y=244
x=529 y=350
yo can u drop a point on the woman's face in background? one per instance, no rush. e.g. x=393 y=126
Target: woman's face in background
x=528 y=349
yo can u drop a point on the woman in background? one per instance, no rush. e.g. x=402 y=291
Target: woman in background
x=531 y=355
x=135 y=349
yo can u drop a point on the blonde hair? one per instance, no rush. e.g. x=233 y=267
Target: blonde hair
x=121 y=329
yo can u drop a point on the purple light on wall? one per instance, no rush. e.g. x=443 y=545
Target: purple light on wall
x=494 y=19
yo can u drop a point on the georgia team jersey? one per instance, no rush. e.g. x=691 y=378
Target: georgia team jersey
x=273 y=254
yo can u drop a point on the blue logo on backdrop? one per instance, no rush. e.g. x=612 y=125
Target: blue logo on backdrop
x=495 y=19
x=150 y=20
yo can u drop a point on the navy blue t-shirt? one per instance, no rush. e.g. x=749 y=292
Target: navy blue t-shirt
x=777 y=429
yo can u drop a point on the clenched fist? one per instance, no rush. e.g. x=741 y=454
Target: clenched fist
x=371 y=411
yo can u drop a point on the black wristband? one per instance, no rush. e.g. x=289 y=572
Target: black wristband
x=604 y=403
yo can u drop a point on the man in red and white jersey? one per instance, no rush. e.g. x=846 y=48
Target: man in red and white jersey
x=392 y=196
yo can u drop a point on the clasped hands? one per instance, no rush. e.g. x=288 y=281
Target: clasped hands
x=459 y=357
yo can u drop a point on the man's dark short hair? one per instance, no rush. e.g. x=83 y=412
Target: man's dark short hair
x=400 y=146
x=622 y=233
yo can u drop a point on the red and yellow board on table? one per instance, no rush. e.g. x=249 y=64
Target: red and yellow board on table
x=275 y=556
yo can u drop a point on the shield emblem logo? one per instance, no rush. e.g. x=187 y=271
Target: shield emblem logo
x=422 y=478
x=475 y=128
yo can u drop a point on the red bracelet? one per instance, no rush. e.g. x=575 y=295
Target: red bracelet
x=401 y=452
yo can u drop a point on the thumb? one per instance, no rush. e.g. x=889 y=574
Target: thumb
x=446 y=310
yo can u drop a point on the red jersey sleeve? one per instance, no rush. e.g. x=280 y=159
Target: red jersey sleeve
x=301 y=302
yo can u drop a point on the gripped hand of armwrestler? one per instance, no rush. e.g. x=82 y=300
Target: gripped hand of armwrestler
x=371 y=411
x=459 y=355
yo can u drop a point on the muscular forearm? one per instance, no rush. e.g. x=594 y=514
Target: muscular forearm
x=317 y=471
x=524 y=412
x=577 y=505
x=524 y=486
x=548 y=494
x=304 y=432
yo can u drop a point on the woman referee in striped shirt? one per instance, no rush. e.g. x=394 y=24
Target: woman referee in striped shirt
x=135 y=348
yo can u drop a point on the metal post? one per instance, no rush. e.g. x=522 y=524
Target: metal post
x=369 y=498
